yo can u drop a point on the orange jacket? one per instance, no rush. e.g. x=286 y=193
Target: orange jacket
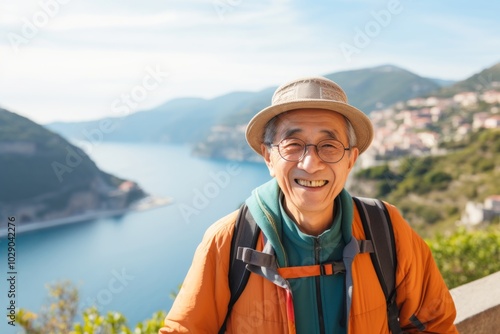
x=202 y=302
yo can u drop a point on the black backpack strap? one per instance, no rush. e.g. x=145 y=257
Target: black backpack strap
x=246 y=234
x=378 y=228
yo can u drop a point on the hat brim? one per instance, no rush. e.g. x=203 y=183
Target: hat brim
x=360 y=122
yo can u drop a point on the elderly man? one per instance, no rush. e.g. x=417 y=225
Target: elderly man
x=310 y=138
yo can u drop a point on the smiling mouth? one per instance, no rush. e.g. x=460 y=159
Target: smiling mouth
x=311 y=184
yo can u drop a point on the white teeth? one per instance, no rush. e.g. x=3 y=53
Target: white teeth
x=315 y=183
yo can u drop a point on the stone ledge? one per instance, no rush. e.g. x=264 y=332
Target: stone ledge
x=478 y=305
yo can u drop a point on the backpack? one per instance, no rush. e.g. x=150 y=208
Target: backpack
x=378 y=229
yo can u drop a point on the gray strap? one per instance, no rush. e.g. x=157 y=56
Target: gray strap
x=253 y=257
x=365 y=246
x=350 y=251
x=270 y=274
x=263 y=263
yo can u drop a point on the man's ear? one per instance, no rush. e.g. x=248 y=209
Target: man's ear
x=353 y=156
x=266 y=153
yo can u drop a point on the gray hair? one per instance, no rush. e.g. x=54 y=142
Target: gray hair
x=271 y=129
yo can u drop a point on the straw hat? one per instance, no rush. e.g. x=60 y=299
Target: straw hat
x=313 y=92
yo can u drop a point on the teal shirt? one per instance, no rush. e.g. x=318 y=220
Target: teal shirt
x=327 y=292
x=318 y=301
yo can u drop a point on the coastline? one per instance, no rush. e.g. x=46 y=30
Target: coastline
x=147 y=203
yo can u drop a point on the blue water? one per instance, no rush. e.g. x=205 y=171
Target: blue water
x=132 y=263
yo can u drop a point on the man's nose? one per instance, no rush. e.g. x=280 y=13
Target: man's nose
x=311 y=162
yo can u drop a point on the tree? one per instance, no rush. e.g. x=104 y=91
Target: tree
x=58 y=316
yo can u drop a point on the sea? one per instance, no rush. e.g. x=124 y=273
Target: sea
x=133 y=262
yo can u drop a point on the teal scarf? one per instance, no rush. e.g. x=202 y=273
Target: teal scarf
x=265 y=206
x=295 y=248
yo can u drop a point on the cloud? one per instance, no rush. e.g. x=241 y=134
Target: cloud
x=89 y=21
x=92 y=52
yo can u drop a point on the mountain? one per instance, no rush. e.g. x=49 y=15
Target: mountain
x=44 y=177
x=199 y=121
x=486 y=79
x=367 y=89
x=137 y=127
x=443 y=82
x=186 y=120
x=381 y=86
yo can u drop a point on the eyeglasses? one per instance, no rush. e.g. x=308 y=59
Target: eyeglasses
x=294 y=150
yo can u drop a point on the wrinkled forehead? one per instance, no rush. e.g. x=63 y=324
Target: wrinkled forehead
x=311 y=121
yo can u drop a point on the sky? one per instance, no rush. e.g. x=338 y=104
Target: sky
x=74 y=60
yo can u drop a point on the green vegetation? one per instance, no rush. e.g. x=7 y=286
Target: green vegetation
x=58 y=317
x=462 y=256
x=116 y=323
x=28 y=171
x=466 y=256
x=198 y=121
x=433 y=190
x=369 y=89
x=45 y=177
x=478 y=82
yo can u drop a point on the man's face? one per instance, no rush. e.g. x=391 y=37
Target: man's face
x=303 y=197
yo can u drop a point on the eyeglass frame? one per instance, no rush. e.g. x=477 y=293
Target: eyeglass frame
x=305 y=149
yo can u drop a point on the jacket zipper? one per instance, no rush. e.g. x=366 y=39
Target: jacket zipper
x=317 y=249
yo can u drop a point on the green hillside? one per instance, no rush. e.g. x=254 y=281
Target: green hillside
x=41 y=172
x=215 y=127
x=432 y=191
x=189 y=120
x=180 y=121
x=366 y=89
x=484 y=80
x=381 y=86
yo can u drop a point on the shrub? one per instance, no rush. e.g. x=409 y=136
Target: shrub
x=436 y=180
x=466 y=256
x=58 y=317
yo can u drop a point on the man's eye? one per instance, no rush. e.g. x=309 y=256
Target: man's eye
x=330 y=145
x=292 y=143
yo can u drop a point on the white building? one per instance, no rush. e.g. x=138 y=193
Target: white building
x=492 y=122
x=476 y=213
x=473 y=214
x=491 y=96
x=466 y=99
x=492 y=203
